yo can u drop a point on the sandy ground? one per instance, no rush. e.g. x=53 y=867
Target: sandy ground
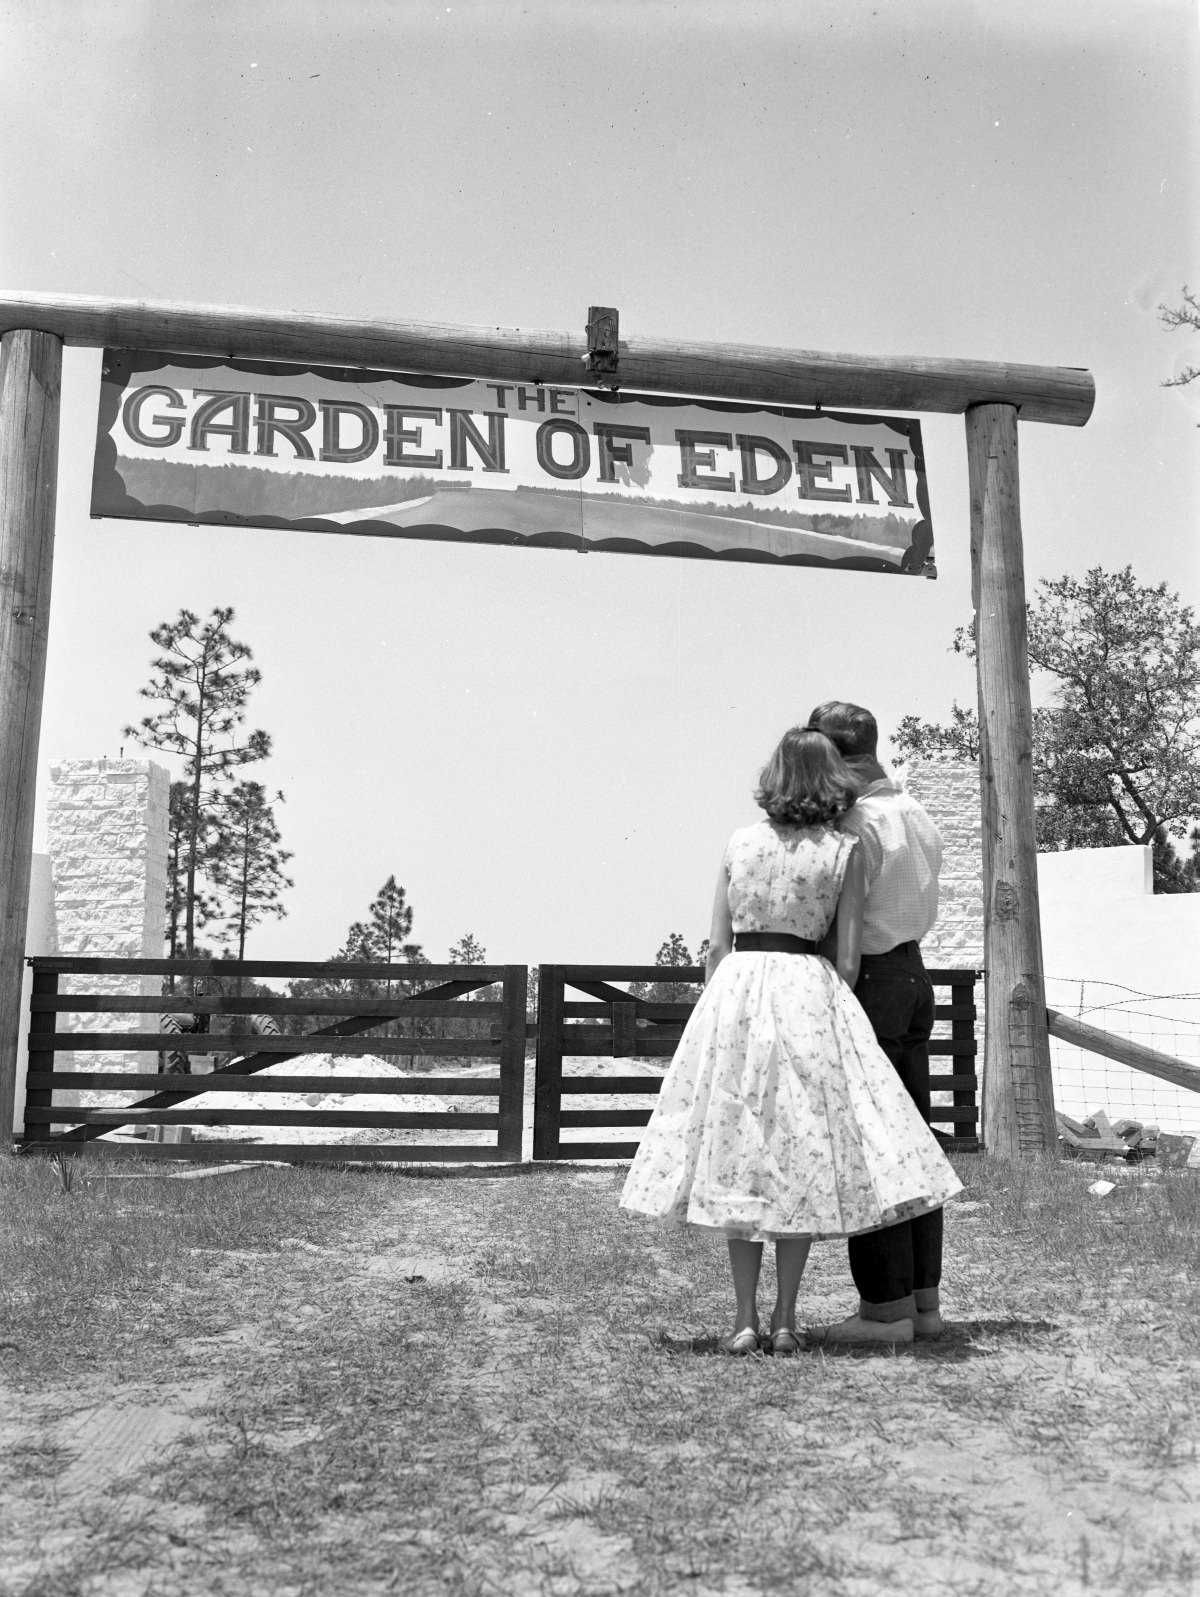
x=334 y=1066
x=1030 y=1500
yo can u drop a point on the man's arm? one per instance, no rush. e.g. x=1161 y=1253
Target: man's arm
x=850 y=920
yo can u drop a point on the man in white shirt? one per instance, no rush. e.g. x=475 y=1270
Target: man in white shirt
x=896 y=1270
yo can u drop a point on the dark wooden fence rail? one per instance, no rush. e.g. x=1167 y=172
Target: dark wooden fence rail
x=440 y=992
x=605 y=1021
x=610 y=1022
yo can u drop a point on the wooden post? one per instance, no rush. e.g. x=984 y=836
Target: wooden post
x=547 y=1081
x=41 y=1059
x=512 y=1063
x=30 y=378
x=962 y=1029
x=1018 y=1095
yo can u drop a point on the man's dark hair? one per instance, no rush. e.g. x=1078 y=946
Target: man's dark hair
x=851 y=729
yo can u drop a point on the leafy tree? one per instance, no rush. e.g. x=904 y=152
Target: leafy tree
x=1185 y=315
x=201 y=685
x=1116 y=754
x=250 y=866
x=917 y=739
x=1175 y=872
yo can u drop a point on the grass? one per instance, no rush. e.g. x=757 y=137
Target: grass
x=443 y=1385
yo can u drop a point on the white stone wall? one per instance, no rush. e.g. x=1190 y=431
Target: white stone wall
x=950 y=792
x=1123 y=958
x=1115 y=954
x=106 y=833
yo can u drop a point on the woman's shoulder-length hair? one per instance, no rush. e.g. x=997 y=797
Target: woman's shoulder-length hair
x=805 y=782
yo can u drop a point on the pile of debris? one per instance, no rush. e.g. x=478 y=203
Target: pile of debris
x=1099 y=1139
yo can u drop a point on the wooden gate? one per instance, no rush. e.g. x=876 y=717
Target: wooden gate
x=427 y=998
x=610 y=1022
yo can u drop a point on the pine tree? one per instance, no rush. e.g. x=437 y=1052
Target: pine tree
x=202 y=683
x=383 y=938
x=673 y=952
x=468 y=951
x=250 y=867
x=391 y=921
x=672 y=955
x=206 y=906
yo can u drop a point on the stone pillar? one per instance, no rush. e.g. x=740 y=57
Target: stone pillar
x=106 y=832
x=949 y=790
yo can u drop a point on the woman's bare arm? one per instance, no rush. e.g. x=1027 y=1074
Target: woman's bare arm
x=850 y=920
x=720 y=938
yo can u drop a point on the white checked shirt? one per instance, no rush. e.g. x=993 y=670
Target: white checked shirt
x=902 y=854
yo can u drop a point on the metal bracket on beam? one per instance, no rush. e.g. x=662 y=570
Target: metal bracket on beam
x=601 y=358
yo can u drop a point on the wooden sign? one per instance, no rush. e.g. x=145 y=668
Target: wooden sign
x=331 y=449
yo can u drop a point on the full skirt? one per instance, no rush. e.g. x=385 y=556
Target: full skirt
x=781 y=1116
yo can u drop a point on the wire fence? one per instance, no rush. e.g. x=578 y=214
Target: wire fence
x=1086 y=1081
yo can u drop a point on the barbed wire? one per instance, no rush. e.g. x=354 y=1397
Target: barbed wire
x=1085 y=1081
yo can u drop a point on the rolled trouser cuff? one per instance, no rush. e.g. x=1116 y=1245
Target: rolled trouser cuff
x=927 y=1299
x=888 y=1313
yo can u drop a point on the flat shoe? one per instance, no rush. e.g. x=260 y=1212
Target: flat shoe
x=857 y=1332
x=741 y=1343
x=784 y=1343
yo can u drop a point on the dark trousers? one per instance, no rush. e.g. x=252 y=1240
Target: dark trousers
x=897 y=996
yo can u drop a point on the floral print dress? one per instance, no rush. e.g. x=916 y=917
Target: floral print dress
x=780 y=1115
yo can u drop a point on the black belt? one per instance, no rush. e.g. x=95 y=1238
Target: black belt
x=771 y=943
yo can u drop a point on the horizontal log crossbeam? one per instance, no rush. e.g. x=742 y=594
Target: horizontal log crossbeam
x=1137 y=1057
x=741 y=372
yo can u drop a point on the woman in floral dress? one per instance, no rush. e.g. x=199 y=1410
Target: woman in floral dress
x=780 y=1118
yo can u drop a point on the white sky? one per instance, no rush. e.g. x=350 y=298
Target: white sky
x=550 y=750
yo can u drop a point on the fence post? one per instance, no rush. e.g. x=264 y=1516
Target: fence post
x=30 y=379
x=547 y=1087
x=963 y=1030
x=1018 y=1094
x=512 y=1063
x=41 y=1060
